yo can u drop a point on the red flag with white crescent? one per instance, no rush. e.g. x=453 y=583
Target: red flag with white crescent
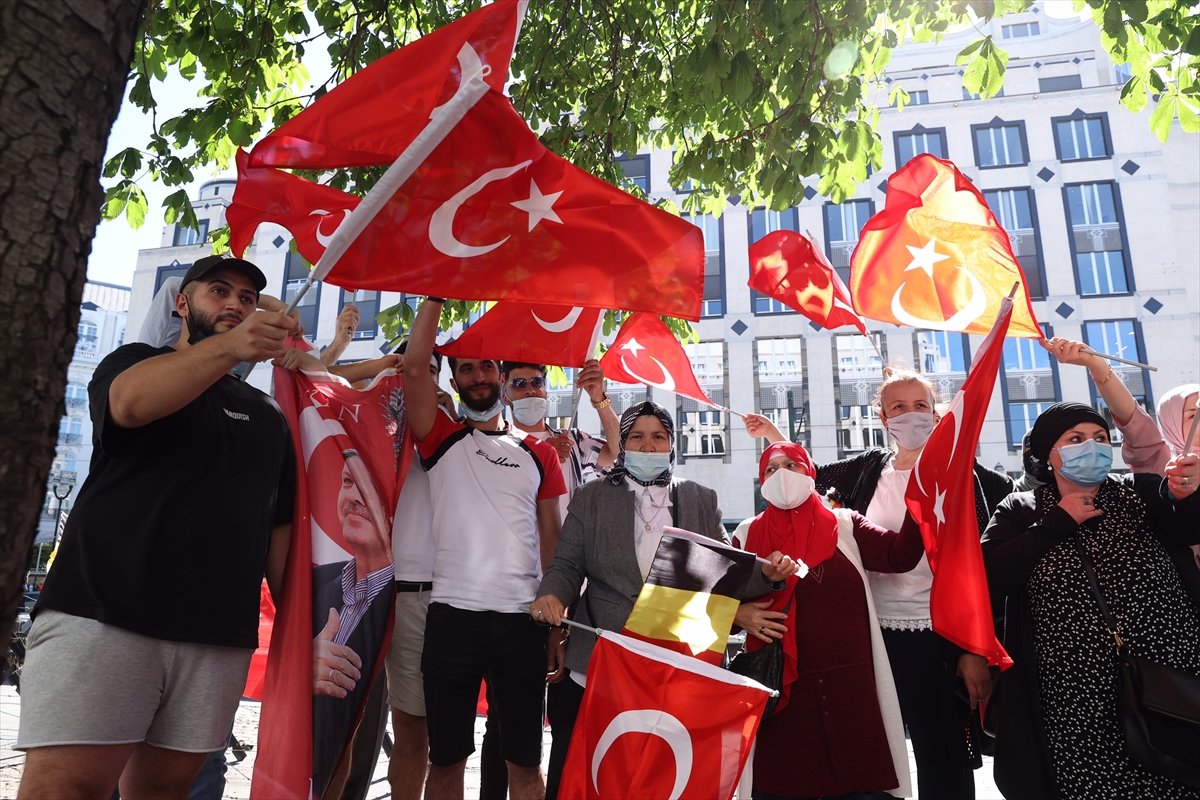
x=663 y=723
x=960 y=604
x=788 y=267
x=540 y=334
x=353 y=451
x=645 y=351
x=936 y=258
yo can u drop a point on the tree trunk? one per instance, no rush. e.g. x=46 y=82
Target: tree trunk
x=63 y=67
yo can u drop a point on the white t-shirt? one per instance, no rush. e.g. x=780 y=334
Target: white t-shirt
x=412 y=527
x=485 y=486
x=901 y=598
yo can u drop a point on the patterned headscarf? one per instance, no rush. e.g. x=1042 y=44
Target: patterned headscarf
x=644 y=409
x=1170 y=415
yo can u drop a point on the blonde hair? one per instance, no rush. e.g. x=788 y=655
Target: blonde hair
x=895 y=375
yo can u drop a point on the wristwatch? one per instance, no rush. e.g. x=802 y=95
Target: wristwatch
x=605 y=403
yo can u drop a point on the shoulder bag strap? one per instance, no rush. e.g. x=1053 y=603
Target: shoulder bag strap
x=1109 y=620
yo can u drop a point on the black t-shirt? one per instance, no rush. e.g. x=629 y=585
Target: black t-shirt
x=169 y=535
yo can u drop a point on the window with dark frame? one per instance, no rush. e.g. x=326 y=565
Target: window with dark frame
x=1097 y=238
x=1118 y=337
x=637 y=169
x=1020 y=30
x=295 y=274
x=1016 y=212
x=1060 y=83
x=1029 y=384
x=1000 y=145
x=919 y=140
x=1082 y=138
x=843 y=222
x=714 y=267
x=188 y=237
x=367 y=302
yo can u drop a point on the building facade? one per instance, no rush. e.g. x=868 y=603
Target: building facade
x=1104 y=218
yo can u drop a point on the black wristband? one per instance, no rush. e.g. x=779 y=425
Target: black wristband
x=435 y=299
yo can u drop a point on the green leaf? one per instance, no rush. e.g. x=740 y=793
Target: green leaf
x=1163 y=115
x=984 y=74
x=1134 y=95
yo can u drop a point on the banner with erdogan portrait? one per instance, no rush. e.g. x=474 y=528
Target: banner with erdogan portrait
x=333 y=626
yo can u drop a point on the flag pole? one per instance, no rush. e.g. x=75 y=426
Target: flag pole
x=591 y=351
x=1191 y=437
x=1090 y=351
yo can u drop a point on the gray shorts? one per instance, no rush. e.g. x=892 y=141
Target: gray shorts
x=406 y=688
x=87 y=683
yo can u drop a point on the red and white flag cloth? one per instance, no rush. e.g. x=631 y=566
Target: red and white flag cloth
x=936 y=258
x=375 y=115
x=559 y=335
x=353 y=449
x=788 y=267
x=960 y=603
x=645 y=351
x=659 y=724
x=310 y=211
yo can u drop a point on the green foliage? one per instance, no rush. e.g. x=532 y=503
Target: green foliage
x=753 y=96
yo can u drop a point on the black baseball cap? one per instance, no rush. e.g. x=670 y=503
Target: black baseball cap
x=207 y=264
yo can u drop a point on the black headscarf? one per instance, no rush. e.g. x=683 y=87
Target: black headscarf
x=644 y=409
x=1053 y=423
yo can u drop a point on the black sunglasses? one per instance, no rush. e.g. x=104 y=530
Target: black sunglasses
x=521 y=383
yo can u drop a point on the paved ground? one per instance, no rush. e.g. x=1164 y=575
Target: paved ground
x=245 y=729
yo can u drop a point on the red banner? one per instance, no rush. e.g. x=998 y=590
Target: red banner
x=788 y=267
x=665 y=724
x=353 y=451
x=645 y=351
x=538 y=334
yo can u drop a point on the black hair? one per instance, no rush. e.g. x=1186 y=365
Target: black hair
x=508 y=366
x=436 y=355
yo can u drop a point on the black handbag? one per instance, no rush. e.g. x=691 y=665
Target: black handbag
x=764 y=665
x=1159 y=706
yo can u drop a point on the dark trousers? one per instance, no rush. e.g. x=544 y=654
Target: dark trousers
x=493 y=771
x=562 y=707
x=934 y=715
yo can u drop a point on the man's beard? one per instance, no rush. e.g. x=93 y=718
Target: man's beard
x=484 y=403
x=201 y=325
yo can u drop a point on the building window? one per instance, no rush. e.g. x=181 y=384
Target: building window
x=781 y=393
x=1029 y=384
x=762 y=222
x=88 y=340
x=968 y=95
x=188 y=237
x=1118 y=337
x=1016 y=212
x=77 y=396
x=70 y=431
x=918 y=97
x=172 y=270
x=714 y=267
x=941 y=352
x=295 y=275
x=703 y=429
x=1081 y=137
x=858 y=372
x=917 y=141
x=1122 y=73
x=1019 y=30
x=1000 y=145
x=367 y=301
x=1060 y=83
x=637 y=170
x=1097 y=239
x=843 y=221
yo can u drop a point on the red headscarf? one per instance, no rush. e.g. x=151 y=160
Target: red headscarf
x=807 y=532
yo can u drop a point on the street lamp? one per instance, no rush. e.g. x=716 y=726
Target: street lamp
x=61 y=483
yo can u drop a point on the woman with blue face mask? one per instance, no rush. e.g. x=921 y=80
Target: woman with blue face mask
x=1058 y=734
x=609 y=538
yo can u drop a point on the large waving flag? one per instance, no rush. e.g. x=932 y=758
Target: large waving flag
x=936 y=258
x=959 y=601
x=659 y=724
x=645 y=351
x=691 y=595
x=541 y=334
x=374 y=116
x=353 y=449
x=787 y=266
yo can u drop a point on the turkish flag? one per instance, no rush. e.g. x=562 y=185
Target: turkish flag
x=372 y=117
x=645 y=351
x=787 y=266
x=960 y=604
x=936 y=258
x=310 y=211
x=658 y=724
x=353 y=448
x=492 y=214
x=542 y=334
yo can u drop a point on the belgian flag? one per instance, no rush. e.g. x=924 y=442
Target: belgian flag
x=691 y=594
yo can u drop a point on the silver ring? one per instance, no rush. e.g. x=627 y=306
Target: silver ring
x=331 y=675
x=1087 y=501
x=762 y=630
x=537 y=613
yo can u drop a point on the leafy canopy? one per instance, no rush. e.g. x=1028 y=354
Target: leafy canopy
x=752 y=96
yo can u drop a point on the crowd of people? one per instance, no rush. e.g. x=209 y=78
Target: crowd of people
x=143 y=634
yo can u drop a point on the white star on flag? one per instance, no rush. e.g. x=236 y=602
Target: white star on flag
x=923 y=258
x=939 y=499
x=633 y=346
x=539 y=206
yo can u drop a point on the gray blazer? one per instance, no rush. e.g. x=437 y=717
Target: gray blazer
x=596 y=543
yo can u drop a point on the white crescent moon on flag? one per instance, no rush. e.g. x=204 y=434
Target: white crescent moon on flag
x=667 y=384
x=561 y=325
x=976 y=305
x=656 y=723
x=321 y=238
x=315 y=429
x=441 y=224
x=471 y=70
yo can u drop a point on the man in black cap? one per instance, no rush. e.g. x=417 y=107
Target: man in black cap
x=143 y=636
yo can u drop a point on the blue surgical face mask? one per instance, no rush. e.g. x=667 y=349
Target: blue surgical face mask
x=646 y=466
x=480 y=416
x=1086 y=463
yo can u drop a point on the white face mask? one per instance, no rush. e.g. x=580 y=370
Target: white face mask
x=786 y=489
x=911 y=430
x=529 y=411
